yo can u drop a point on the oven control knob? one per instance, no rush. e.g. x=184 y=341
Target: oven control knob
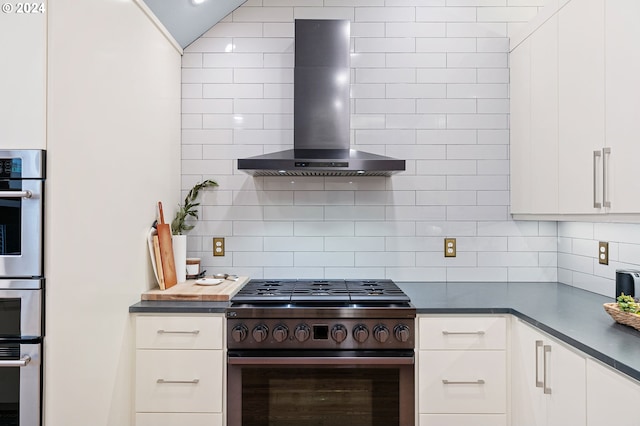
x=260 y=332
x=339 y=333
x=360 y=333
x=280 y=332
x=239 y=333
x=302 y=332
x=381 y=333
x=402 y=332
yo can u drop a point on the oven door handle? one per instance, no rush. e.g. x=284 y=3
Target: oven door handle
x=16 y=194
x=311 y=360
x=17 y=363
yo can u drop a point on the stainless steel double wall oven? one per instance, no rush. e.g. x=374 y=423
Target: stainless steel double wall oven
x=320 y=352
x=22 y=174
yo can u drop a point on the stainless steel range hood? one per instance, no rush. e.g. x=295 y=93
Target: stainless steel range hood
x=321 y=111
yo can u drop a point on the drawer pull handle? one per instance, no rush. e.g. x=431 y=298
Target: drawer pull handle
x=546 y=389
x=190 y=382
x=454 y=382
x=178 y=332
x=539 y=344
x=479 y=332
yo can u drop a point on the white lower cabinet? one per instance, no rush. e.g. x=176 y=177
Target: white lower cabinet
x=180 y=370
x=548 y=380
x=612 y=399
x=462 y=371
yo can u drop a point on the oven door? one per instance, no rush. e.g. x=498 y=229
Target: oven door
x=20 y=309
x=21 y=227
x=324 y=389
x=20 y=382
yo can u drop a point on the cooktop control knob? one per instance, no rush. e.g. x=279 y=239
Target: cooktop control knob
x=339 y=333
x=381 y=333
x=260 y=332
x=302 y=332
x=402 y=332
x=360 y=333
x=280 y=332
x=239 y=333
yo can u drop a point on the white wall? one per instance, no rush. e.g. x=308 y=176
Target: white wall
x=23 y=44
x=430 y=85
x=113 y=152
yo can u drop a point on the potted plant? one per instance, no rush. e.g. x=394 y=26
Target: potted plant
x=179 y=226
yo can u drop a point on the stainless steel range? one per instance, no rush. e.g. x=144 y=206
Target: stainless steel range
x=321 y=352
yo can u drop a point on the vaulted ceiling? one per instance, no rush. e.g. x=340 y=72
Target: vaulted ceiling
x=187 y=20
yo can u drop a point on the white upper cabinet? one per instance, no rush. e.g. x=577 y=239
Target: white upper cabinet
x=581 y=105
x=534 y=122
x=587 y=150
x=623 y=104
x=23 y=78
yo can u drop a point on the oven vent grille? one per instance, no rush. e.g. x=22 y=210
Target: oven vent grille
x=10 y=352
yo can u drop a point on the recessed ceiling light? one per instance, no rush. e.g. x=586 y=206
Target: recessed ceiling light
x=197 y=2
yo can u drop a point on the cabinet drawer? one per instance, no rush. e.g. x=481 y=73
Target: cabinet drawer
x=462 y=382
x=462 y=332
x=178 y=419
x=202 y=374
x=463 y=420
x=173 y=332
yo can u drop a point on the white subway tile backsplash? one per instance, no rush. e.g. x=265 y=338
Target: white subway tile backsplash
x=445 y=44
x=414 y=29
x=429 y=85
x=262 y=14
x=476 y=29
x=385 y=14
x=324 y=229
x=393 y=259
x=446 y=14
x=398 y=45
x=325 y=259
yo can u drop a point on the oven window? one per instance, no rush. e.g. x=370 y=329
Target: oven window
x=10 y=219
x=320 y=396
x=9 y=318
x=10 y=389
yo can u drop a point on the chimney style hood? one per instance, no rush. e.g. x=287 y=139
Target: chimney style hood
x=321 y=111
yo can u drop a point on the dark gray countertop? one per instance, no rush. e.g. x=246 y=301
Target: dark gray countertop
x=572 y=315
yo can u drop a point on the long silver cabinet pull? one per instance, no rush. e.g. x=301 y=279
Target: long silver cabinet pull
x=546 y=389
x=17 y=363
x=16 y=194
x=479 y=332
x=606 y=154
x=189 y=382
x=596 y=204
x=178 y=332
x=539 y=383
x=454 y=382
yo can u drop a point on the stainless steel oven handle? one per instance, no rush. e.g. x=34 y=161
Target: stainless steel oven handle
x=17 y=363
x=16 y=194
x=320 y=360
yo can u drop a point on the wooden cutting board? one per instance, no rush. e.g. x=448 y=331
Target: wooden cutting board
x=189 y=290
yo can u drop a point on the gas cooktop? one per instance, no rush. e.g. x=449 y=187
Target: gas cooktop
x=305 y=291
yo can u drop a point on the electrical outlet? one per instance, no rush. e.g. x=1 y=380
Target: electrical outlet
x=449 y=247
x=218 y=246
x=603 y=253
